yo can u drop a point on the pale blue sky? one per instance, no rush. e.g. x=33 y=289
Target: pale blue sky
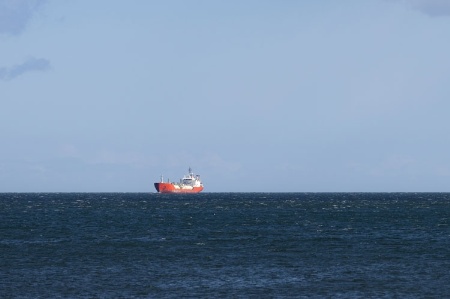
x=254 y=95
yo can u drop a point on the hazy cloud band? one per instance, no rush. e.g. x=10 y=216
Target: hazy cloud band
x=433 y=8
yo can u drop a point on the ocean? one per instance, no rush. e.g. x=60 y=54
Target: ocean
x=225 y=245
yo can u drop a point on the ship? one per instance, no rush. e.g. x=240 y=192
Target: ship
x=190 y=183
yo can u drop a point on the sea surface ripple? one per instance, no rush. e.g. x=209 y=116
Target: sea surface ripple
x=257 y=245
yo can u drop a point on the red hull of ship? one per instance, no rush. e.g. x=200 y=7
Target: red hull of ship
x=170 y=188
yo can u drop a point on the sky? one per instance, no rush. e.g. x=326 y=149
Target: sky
x=254 y=95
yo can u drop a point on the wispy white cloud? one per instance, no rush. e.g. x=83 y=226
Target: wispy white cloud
x=15 y=14
x=31 y=64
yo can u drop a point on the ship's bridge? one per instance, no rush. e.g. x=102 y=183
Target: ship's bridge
x=191 y=179
x=188 y=181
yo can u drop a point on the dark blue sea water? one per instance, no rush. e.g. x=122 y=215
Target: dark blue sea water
x=239 y=245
